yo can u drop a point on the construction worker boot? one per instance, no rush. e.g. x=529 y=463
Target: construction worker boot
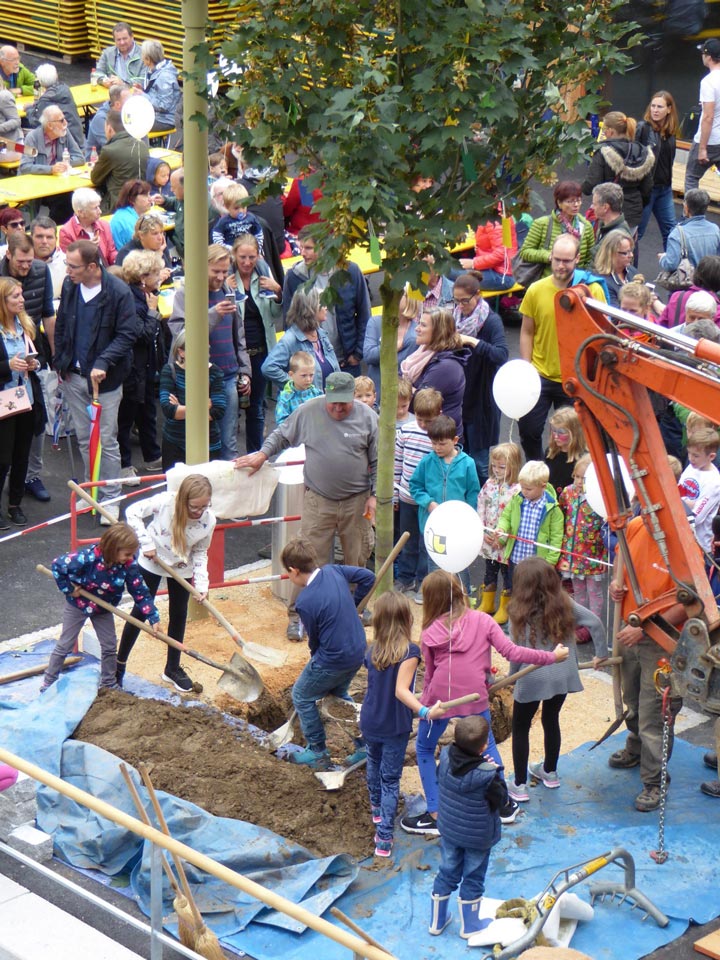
x=501 y=616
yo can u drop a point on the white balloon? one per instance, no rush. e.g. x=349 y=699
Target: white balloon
x=138 y=116
x=593 y=493
x=453 y=535
x=516 y=388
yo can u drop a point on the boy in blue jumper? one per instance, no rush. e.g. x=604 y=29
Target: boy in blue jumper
x=472 y=792
x=327 y=609
x=299 y=388
x=445 y=474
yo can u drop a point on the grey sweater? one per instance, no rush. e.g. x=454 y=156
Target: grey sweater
x=558 y=678
x=340 y=455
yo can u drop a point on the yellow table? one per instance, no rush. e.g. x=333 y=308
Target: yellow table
x=86 y=99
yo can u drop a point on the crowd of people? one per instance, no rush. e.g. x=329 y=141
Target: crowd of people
x=79 y=319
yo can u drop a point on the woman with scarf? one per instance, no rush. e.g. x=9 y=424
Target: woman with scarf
x=619 y=159
x=439 y=362
x=482 y=330
x=565 y=218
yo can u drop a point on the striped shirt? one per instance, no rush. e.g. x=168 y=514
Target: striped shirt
x=531 y=512
x=411 y=445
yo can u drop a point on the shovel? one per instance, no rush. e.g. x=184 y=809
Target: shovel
x=274 y=658
x=34 y=671
x=335 y=779
x=239 y=679
x=278 y=738
x=402 y=540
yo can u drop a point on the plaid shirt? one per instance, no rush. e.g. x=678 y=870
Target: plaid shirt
x=531 y=512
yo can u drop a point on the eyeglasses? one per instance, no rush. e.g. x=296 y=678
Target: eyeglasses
x=461 y=301
x=577 y=200
x=61 y=120
x=73 y=266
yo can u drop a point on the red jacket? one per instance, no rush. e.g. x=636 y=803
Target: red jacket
x=296 y=210
x=490 y=254
x=72 y=230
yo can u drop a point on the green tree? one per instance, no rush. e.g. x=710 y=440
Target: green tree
x=372 y=95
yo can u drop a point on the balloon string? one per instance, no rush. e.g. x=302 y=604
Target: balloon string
x=546 y=546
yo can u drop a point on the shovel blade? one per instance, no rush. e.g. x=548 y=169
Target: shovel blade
x=610 y=730
x=335 y=779
x=240 y=680
x=262 y=654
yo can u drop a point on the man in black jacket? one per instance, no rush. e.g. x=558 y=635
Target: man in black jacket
x=95 y=332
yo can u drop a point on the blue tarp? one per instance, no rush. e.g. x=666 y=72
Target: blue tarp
x=591 y=813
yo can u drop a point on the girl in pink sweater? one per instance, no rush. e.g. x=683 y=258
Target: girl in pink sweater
x=457 y=650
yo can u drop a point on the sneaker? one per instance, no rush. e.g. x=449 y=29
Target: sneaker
x=509 y=812
x=648 y=799
x=518 y=791
x=114 y=510
x=130 y=477
x=551 y=780
x=295 y=631
x=422 y=824
x=376 y=817
x=4 y=522
x=153 y=466
x=418 y=598
x=623 y=760
x=710 y=760
x=179 y=679
x=17 y=516
x=44 y=686
x=408 y=588
x=36 y=488
x=711 y=788
x=383 y=848
x=366 y=617
x=310 y=757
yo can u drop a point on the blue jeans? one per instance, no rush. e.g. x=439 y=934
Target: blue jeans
x=481 y=455
x=661 y=204
x=492 y=280
x=413 y=560
x=458 y=864
x=255 y=413
x=429 y=733
x=229 y=422
x=314 y=683
x=385 y=760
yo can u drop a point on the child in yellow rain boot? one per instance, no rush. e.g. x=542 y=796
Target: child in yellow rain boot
x=498 y=490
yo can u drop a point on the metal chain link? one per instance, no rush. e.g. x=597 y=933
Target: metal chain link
x=660 y=855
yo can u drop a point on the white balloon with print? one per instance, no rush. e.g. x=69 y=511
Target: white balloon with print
x=138 y=116
x=516 y=388
x=593 y=492
x=453 y=535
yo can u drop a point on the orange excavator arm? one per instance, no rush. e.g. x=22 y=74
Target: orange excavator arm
x=608 y=372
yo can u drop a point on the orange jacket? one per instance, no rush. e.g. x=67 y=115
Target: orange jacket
x=490 y=254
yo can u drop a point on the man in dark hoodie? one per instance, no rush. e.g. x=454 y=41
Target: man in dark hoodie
x=621 y=160
x=472 y=792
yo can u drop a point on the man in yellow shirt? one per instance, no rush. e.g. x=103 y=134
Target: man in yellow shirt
x=539 y=342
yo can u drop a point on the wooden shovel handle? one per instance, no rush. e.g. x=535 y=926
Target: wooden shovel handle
x=34 y=671
x=142 y=813
x=403 y=539
x=343 y=918
x=459 y=701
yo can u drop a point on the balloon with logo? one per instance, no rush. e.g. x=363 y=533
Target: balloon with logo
x=138 y=116
x=593 y=492
x=453 y=535
x=516 y=388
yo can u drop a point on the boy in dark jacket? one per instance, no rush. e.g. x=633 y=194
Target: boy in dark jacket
x=327 y=609
x=472 y=792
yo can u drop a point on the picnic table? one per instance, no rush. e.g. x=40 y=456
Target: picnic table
x=86 y=99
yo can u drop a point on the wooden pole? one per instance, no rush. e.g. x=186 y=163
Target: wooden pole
x=202 y=862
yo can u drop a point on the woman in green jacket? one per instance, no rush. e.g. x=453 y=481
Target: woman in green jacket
x=565 y=218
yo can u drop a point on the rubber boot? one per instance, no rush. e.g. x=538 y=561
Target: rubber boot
x=501 y=616
x=439 y=918
x=470 y=920
x=488 y=600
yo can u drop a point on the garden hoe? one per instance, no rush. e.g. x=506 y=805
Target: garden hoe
x=239 y=679
x=256 y=651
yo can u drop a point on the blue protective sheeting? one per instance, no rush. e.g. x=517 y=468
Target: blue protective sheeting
x=590 y=814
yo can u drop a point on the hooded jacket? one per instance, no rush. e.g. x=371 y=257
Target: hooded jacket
x=629 y=164
x=472 y=792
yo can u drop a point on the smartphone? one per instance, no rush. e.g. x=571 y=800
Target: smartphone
x=29 y=356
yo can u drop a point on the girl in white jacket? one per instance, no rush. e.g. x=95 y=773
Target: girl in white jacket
x=179 y=532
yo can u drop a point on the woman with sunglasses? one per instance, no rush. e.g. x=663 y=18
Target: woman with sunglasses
x=149 y=234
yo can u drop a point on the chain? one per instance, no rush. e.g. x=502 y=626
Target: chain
x=660 y=855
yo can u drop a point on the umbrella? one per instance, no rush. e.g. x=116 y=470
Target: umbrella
x=95 y=444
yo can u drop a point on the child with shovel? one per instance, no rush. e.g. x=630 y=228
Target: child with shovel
x=104 y=569
x=179 y=532
x=336 y=636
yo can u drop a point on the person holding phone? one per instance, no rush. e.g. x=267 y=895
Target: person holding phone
x=18 y=366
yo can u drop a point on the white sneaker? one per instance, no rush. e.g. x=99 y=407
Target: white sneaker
x=114 y=510
x=129 y=476
x=418 y=597
x=538 y=772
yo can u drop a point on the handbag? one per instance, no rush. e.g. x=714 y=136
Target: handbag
x=682 y=277
x=524 y=272
x=14 y=400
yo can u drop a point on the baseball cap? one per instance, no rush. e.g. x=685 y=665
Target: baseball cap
x=711 y=48
x=340 y=388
